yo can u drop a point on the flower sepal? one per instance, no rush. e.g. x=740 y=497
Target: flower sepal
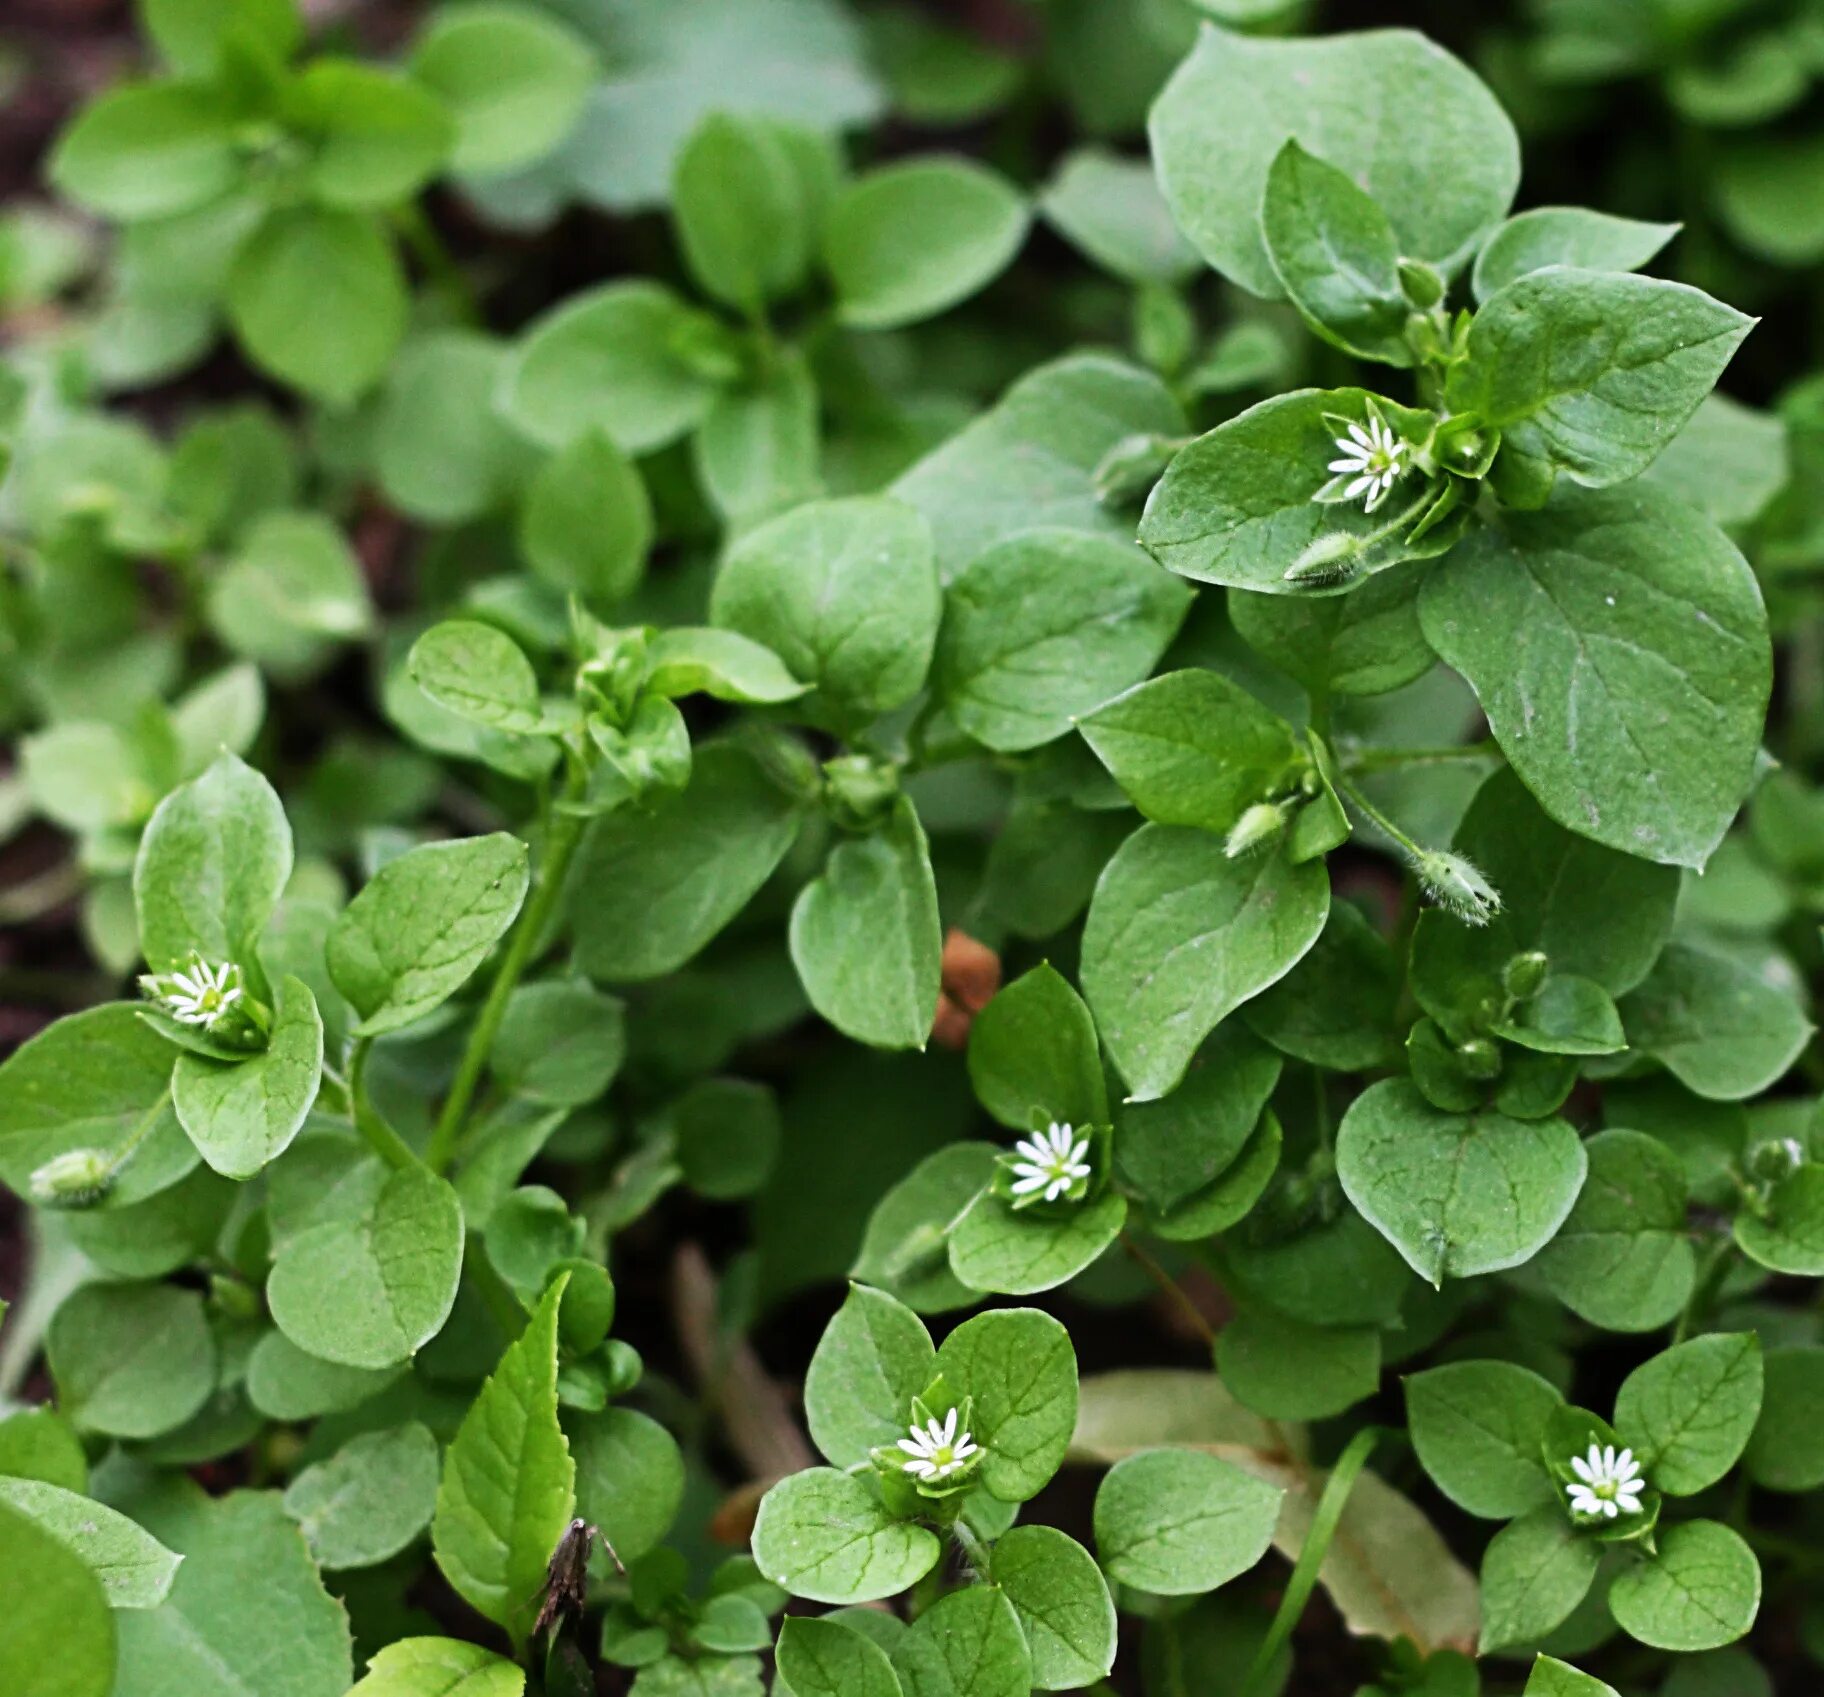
x=1055 y=1169
x=207 y=1008
x=937 y=1459
x=1601 y=1484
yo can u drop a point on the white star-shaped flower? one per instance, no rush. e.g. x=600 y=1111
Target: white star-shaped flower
x=1049 y=1160
x=1374 y=457
x=1611 y=1482
x=199 y=995
x=936 y=1451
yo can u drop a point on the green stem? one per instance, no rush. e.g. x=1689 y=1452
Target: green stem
x=1711 y=1272
x=1377 y=818
x=974 y=1551
x=420 y=235
x=561 y=837
x=385 y=1142
x=1367 y=760
x=1316 y=1546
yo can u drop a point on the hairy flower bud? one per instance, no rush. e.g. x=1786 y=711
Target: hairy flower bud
x=78 y=1178
x=1456 y=886
x=1332 y=559
x=1258 y=826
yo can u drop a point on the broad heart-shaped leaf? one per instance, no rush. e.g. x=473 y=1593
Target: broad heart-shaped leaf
x=909 y=239
x=1043 y=627
x=1565 y=235
x=422 y=925
x=1238 y=506
x=652 y=887
x=865 y=935
x=1716 y=1025
x=371 y=1289
x=370 y=1499
x=1337 y=1007
x=905 y=1248
x=1700 y=1590
x=820 y=1657
x=1367 y=642
x=1033 y=1049
x=1030 y=460
x=1192 y=748
x=1477 y=1427
x=1176 y=1522
x=508 y=1481
x=1688 y=1412
x=241 y=1114
x=134 y=1568
x=874 y=1357
x=1179 y=936
x=1111 y=210
x=439 y=1667
x=1414 y=127
x=480 y=672
x=827 y=1536
x=968 y=1644
x=1287 y=1370
x=211 y=867
x=629 y=1476
x=745 y=210
x=587 y=520
x=1018 y=1367
x=1019 y=1253
x=1456 y=1194
x=1592 y=372
x=287 y=1383
x=148 y=151
x=1623 y=1258
x=131 y=1361
x=1617 y=642
x=60 y=1633
x=1552 y=1678
x=845 y=592
x=1789 y=1237
x=1063 y=1603
x=1786 y=1452
x=1534 y=1572
x=99 y=1079
x=1335 y=256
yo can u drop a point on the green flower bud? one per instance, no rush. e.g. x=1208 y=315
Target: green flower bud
x=858 y=790
x=1457 y=887
x=1260 y=825
x=1775 y=1158
x=1524 y=973
x=1480 y=1058
x=78 y=1178
x=1422 y=284
x=625 y=1368
x=1326 y=562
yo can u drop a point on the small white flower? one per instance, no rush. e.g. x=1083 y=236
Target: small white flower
x=1374 y=457
x=198 y=995
x=937 y=1451
x=1611 y=1482
x=1051 y=1161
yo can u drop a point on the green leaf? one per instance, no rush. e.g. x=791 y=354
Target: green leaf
x=1365 y=643
x=1193 y=748
x=1477 y=1427
x=293 y=588
x=758 y=450
x=827 y=1536
x=1179 y=936
x=1729 y=461
x=211 y=867
x=1720 y=1028
x=148 y=151
x=1018 y=1366
x=1565 y=235
x=480 y=672
x=1043 y=627
x=997 y=1247
x=193 y=35
x=1111 y=209
x=134 y=1568
x=422 y=925
x=1335 y=1007
x=439 y=1667
x=285 y=1382
x=845 y=593
x=826 y=1658
x=1689 y=1411
x=559 y=1042
x=609 y=360
x=1789 y=1237
x=1033 y=1048
x=1287 y=1370
x=369 y=1500
x=908 y=240
x=38 y=1443
x=442 y=452
x=743 y=210
x=376 y=137
x=1592 y=372
x=587 y=522
x=1551 y=1678
x=131 y=1361
x=692 y=659
x=865 y=936
x=1699 y=1591
x=1335 y=256
x=242 y=1114
x=508 y=1482
x=1623 y=1258
x=904 y=1250
x=629 y=1477
x=874 y=1357
x=728 y=1134
x=968 y=1644
x=653 y=887
x=1456 y=1194
x=1534 y=1572
x=298 y=264
x=1177 y=1522
x=370 y=1289
x=1618 y=645
x=1786 y=1450
x=1063 y=1603
x=1425 y=138
x=513 y=78
x=99 y=1079
x=60 y=1633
